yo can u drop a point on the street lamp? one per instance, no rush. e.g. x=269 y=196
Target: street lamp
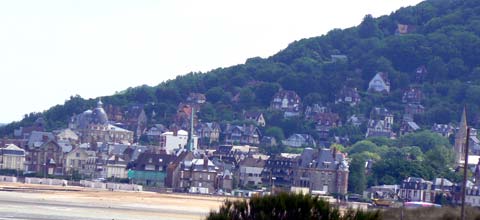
x=17 y=167
x=71 y=171
x=273 y=184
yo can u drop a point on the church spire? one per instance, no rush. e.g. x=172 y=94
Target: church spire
x=460 y=139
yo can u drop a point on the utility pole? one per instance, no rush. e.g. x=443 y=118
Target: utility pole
x=464 y=183
x=190 y=141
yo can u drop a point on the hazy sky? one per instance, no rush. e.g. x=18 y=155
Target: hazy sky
x=50 y=50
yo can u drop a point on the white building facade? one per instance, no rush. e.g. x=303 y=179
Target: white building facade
x=171 y=141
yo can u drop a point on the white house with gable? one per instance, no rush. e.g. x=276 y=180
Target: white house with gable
x=379 y=83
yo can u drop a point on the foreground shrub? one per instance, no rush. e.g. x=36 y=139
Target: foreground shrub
x=444 y=213
x=285 y=206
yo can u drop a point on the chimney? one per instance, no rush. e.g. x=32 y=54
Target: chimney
x=44 y=138
x=205 y=161
x=175 y=131
x=334 y=153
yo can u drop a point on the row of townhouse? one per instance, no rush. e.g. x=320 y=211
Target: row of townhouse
x=316 y=170
x=324 y=170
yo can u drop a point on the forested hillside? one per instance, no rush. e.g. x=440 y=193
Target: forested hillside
x=440 y=36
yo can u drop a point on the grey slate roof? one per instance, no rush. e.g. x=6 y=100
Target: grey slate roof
x=36 y=138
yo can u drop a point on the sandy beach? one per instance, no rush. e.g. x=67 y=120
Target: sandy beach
x=40 y=202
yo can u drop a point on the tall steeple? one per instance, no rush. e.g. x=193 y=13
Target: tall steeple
x=460 y=139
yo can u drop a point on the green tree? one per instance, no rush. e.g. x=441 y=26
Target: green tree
x=265 y=91
x=366 y=146
x=437 y=69
x=357 y=181
x=275 y=132
x=312 y=98
x=214 y=94
x=426 y=140
x=208 y=112
x=395 y=170
x=369 y=28
x=439 y=158
x=247 y=97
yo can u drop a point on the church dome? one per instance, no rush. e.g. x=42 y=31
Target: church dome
x=83 y=120
x=99 y=116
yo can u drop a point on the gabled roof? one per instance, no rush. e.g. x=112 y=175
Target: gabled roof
x=245 y=130
x=474 y=139
x=115 y=128
x=153 y=159
x=53 y=143
x=67 y=133
x=318 y=158
x=207 y=126
x=65 y=145
x=349 y=92
x=381 y=78
x=380 y=112
x=442 y=181
x=253 y=114
x=287 y=94
x=12 y=149
x=137 y=151
x=416 y=179
x=304 y=137
x=201 y=164
x=116 y=160
x=37 y=138
x=306 y=157
x=117 y=149
x=252 y=162
x=324 y=118
x=89 y=153
x=413 y=125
